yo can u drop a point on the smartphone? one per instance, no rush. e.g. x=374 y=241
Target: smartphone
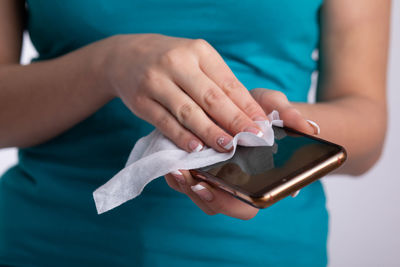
x=261 y=176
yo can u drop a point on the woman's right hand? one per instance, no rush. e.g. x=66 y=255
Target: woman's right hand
x=183 y=87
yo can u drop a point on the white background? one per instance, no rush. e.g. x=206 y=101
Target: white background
x=364 y=211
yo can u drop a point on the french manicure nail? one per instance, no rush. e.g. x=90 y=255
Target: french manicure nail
x=317 y=130
x=195 y=146
x=254 y=131
x=225 y=142
x=202 y=192
x=179 y=177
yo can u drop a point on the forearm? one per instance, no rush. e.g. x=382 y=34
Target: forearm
x=356 y=123
x=41 y=100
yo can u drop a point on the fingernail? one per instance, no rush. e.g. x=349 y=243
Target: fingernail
x=225 y=142
x=254 y=131
x=202 y=192
x=317 y=130
x=259 y=118
x=296 y=193
x=195 y=146
x=179 y=177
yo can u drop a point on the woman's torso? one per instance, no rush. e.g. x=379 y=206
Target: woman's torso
x=46 y=207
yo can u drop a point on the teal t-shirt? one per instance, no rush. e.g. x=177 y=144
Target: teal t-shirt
x=47 y=213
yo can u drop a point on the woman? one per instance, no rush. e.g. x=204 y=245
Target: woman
x=104 y=68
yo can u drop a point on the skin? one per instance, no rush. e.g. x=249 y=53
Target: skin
x=41 y=100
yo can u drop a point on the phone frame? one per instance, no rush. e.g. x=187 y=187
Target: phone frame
x=288 y=184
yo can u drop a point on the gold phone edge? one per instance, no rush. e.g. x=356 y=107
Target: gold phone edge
x=285 y=189
x=296 y=183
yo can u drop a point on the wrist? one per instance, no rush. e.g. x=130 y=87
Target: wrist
x=117 y=59
x=101 y=68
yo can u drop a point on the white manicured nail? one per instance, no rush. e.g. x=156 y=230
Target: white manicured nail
x=315 y=126
x=195 y=146
x=225 y=143
x=177 y=173
x=296 y=193
x=197 y=187
x=198 y=148
x=254 y=130
x=229 y=146
x=202 y=192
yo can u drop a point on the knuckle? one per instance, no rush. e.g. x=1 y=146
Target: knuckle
x=211 y=97
x=149 y=78
x=290 y=113
x=172 y=183
x=137 y=102
x=237 y=123
x=210 y=133
x=277 y=96
x=182 y=139
x=219 y=207
x=292 y=110
x=231 y=86
x=163 y=122
x=185 y=112
x=251 y=109
x=172 y=58
x=181 y=136
x=200 y=45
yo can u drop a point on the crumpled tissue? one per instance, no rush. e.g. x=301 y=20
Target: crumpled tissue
x=155 y=155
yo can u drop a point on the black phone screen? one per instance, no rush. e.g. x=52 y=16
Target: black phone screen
x=256 y=170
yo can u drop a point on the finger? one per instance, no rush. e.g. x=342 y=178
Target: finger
x=186 y=189
x=168 y=125
x=222 y=202
x=270 y=99
x=274 y=100
x=293 y=119
x=214 y=66
x=216 y=103
x=190 y=115
x=317 y=129
x=218 y=200
x=200 y=203
x=173 y=182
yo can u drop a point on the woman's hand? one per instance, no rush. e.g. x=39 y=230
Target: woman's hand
x=271 y=100
x=213 y=200
x=209 y=199
x=183 y=87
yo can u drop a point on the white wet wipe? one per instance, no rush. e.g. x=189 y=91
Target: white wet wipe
x=155 y=155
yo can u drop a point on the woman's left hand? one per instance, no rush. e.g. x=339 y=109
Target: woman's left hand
x=271 y=100
x=213 y=200
x=208 y=198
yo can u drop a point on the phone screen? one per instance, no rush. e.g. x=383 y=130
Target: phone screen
x=256 y=170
